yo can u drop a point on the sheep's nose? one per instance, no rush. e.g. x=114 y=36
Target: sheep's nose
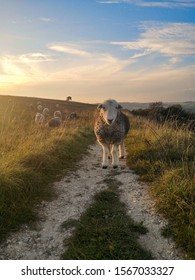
x=110 y=121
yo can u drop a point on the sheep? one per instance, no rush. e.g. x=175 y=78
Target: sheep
x=111 y=127
x=39 y=118
x=39 y=107
x=54 y=122
x=72 y=116
x=31 y=106
x=57 y=114
x=45 y=112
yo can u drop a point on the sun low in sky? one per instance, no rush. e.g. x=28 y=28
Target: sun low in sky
x=129 y=50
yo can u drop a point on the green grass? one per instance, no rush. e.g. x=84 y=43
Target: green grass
x=105 y=231
x=33 y=157
x=164 y=157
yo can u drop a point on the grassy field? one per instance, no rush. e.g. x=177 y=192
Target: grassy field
x=165 y=157
x=32 y=157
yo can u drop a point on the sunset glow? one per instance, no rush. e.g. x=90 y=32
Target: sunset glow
x=129 y=50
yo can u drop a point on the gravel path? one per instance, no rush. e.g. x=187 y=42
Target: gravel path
x=44 y=240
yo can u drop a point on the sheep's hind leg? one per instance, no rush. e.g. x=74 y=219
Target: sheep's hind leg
x=110 y=147
x=122 y=150
x=115 y=159
x=105 y=161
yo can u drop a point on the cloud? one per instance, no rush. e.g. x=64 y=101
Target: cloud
x=46 y=19
x=79 y=65
x=164 y=38
x=110 y=2
x=96 y=74
x=99 y=67
x=19 y=69
x=158 y=4
x=33 y=58
x=166 y=4
x=88 y=83
x=26 y=59
x=67 y=48
x=175 y=60
x=137 y=55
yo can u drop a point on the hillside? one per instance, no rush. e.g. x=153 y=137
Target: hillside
x=187 y=106
x=68 y=106
x=31 y=103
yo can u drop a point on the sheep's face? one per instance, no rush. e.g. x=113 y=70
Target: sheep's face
x=57 y=114
x=45 y=111
x=109 y=110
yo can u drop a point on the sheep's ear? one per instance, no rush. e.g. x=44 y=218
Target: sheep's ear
x=99 y=106
x=119 y=106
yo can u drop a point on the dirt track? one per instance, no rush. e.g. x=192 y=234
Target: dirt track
x=44 y=240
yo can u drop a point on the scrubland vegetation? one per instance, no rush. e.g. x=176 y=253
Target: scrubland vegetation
x=163 y=154
x=174 y=113
x=31 y=156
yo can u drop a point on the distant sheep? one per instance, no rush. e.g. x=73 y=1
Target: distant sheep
x=39 y=107
x=57 y=114
x=46 y=112
x=39 y=119
x=72 y=116
x=54 y=122
x=111 y=127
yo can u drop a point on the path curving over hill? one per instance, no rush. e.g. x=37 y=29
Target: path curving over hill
x=44 y=239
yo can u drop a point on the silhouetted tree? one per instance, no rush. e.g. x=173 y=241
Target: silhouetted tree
x=68 y=98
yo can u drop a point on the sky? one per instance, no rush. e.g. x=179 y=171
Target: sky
x=92 y=50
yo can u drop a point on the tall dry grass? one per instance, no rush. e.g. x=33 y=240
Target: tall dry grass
x=164 y=156
x=31 y=157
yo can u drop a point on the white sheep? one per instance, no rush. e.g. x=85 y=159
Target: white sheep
x=111 y=127
x=39 y=107
x=46 y=112
x=57 y=114
x=39 y=119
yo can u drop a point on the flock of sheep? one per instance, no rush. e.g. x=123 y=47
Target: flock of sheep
x=42 y=117
x=110 y=127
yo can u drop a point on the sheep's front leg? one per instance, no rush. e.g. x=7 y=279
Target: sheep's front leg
x=115 y=159
x=122 y=150
x=105 y=161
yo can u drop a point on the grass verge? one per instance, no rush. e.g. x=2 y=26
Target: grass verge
x=31 y=159
x=105 y=231
x=164 y=157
